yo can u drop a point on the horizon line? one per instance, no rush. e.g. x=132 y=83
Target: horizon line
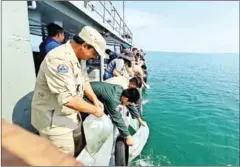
x=192 y=52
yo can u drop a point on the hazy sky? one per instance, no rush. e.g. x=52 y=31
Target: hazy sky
x=187 y=26
x=190 y=26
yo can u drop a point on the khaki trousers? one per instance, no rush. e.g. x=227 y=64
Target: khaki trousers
x=64 y=142
x=70 y=143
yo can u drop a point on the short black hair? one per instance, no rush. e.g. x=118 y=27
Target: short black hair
x=54 y=29
x=133 y=49
x=144 y=67
x=108 y=51
x=142 y=58
x=80 y=41
x=137 y=81
x=132 y=94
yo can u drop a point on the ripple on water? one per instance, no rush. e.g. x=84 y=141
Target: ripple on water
x=152 y=160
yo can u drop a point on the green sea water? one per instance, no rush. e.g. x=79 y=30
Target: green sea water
x=192 y=110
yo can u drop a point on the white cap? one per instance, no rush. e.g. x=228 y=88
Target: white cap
x=93 y=38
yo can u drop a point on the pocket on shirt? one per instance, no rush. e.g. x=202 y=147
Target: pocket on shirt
x=79 y=85
x=43 y=95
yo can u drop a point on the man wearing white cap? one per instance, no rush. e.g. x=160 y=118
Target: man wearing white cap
x=59 y=89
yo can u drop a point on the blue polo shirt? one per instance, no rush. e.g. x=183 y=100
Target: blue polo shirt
x=48 y=45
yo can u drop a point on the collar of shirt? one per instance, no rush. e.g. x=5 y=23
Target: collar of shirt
x=70 y=51
x=49 y=39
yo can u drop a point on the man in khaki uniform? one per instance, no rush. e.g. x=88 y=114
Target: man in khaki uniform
x=60 y=85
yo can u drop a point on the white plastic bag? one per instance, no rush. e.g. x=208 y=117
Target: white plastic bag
x=140 y=139
x=97 y=131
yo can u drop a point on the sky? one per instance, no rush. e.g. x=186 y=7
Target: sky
x=187 y=26
x=182 y=26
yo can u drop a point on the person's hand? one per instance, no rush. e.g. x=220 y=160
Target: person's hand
x=143 y=123
x=129 y=140
x=97 y=103
x=99 y=112
x=22 y=148
x=147 y=86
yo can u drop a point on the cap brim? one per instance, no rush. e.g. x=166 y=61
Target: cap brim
x=126 y=57
x=100 y=51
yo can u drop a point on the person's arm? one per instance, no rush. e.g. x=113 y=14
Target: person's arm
x=117 y=118
x=116 y=73
x=62 y=84
x=135 y=114
x=92 y=96
x=119 y=122
x=144 y=83
x=133 y=110
x=77 y=103
x=22 y=148
x=139 y=71
x=118 y=68
x=143 y=123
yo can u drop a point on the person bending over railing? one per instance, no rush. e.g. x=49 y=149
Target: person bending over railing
x=126 y=83
x=113 y=97
x=116 y=66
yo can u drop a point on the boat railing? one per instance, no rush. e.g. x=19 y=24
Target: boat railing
x=105 y=9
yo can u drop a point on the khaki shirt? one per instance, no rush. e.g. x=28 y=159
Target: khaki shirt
x=138 y=71
x=60 y=78
x=127 y=72
x=135 y=70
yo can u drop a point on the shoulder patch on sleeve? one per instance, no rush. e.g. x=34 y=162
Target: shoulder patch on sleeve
x=118 y=108
x=62 y=68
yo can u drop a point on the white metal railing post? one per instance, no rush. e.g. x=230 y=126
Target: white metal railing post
x=104 y=8
x=85 y=3
x=123 y=12
x=117 y=25
x=43 y=32
x=101 y=68
x=120 y=27
x=123 y=18
x=114 y=12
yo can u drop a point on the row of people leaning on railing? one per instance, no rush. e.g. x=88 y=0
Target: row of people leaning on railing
x=63 y=92
x=128 y=63
x=124 y=66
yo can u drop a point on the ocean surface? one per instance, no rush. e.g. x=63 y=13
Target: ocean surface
x=192 y=110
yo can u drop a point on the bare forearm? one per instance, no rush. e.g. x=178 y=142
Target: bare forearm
x=116 y=73
x=143 y=123
x=143 y=82
x=139 y=119
x=20 y=147
x=77 y=103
